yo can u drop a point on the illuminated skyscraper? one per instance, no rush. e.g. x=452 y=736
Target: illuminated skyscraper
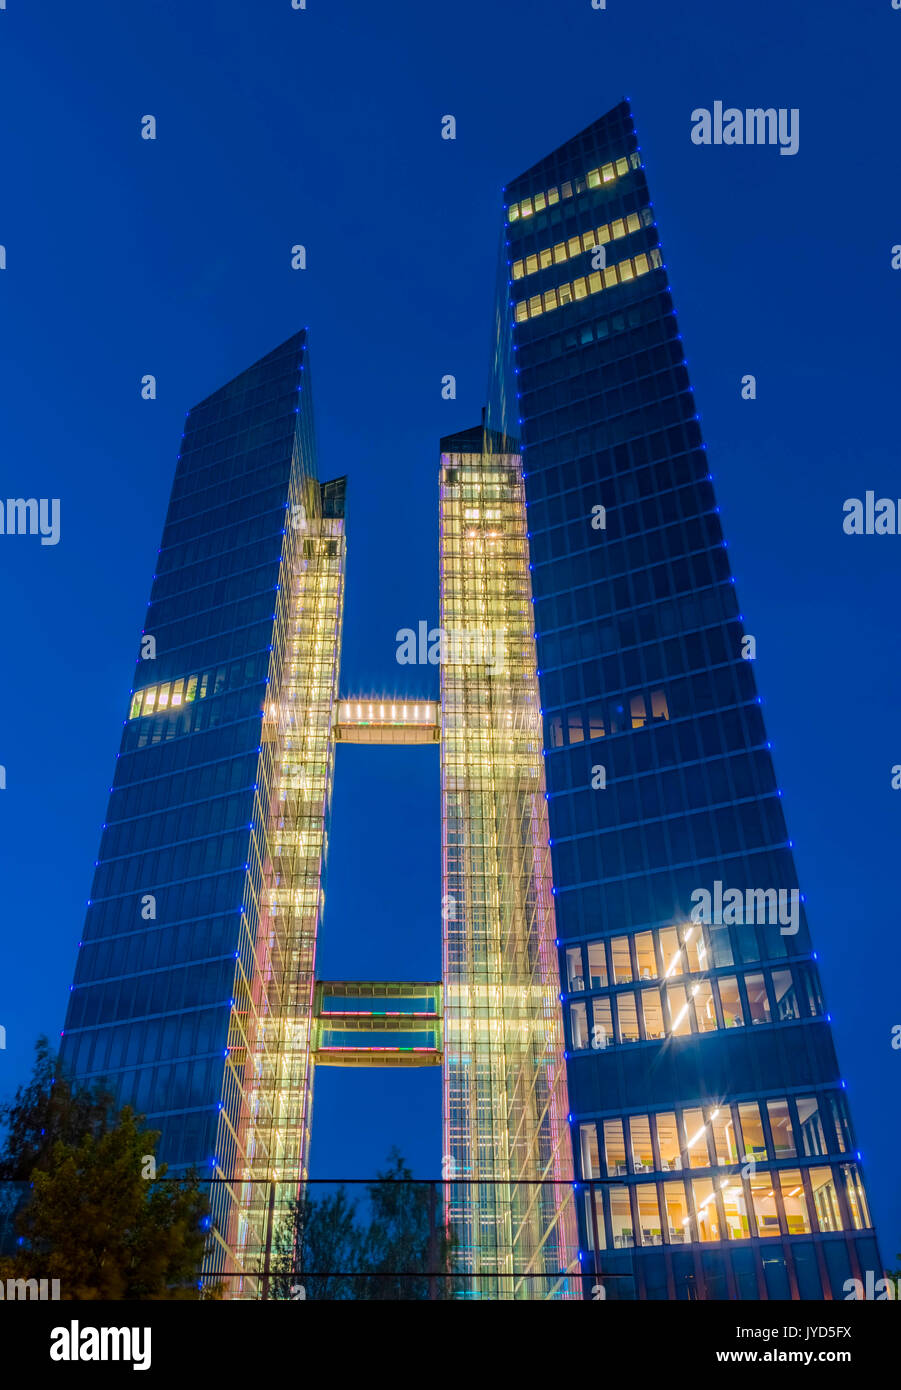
x=678 y=1128
x=706 y=1097
x=195 y=978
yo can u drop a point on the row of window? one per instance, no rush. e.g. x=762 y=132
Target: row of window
x=792 y=1202
x=619 y=274
x=108 y=918
x=194 y=718
x=586 y=241
x=595 y=178
x=724 y=1001
x=154 y=699
x=200 y=984
x=689 y=948
x=645 y=322
x=607 y=717
x=667 y=1141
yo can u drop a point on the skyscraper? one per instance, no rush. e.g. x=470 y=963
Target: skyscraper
x=705 y=1094
x=194 y=984
x=641 y=1094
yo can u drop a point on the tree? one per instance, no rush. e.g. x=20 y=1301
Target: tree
x=48 y=1110
x=321 y=1245
x=405 y=1244
x=91 y=1218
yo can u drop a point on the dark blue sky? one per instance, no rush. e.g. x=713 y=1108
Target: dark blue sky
x=322 y=127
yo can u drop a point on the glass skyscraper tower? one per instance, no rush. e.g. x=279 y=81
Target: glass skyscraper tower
x=705 y=1097
x=641 y=1094
x=194 y=985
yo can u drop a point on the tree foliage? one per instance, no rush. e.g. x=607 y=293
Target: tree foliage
x=92 y=1216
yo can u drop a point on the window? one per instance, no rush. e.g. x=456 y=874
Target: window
x=637 y=711
x=752 y=1129
x=855 y=1196
x=724 y=1141
x=784 y=995
x=704 y=1195
x=758 y=1003
x=781 y=1128
x=652 y=1009
x=763 y=1199
x=575 y=980
x=597 y=1207
x=614 y=1148
x=627 y=1017
x=588 y=1136
x=813 y=1140
x=597 y=965
x=730 y=1001
x=578 y=1024
x=735 y=1208
x=644 y=952
x=668 y=1142
x=640 y=1135
x=671 y=952
x=621 y=1218
x=696 y=950
x=622 y=960
x=648 y=1213
x=677 y=1008
x=705 y=1013
x=602 y=1027
x=794 y=1201
x=678 y=1230
x=696 y=1138
x=825 y=1199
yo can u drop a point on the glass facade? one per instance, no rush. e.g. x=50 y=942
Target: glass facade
x=708 y=1115
x=194 y=983
x=505 y=1103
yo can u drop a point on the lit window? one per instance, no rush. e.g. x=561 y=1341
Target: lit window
x=540 y=202
x=678 y=1004
x=723 y=1131
x=763 y=1199
x=614 y=1148
x=705 y=1013
x=732 y=1194
x=644 y=951
x=704 y=1194
x=641 y=264
x=525 y=207
x=678 y=1223
x=626 y=271
x=633 y=222
x=531 y=264
x=794 y=1201
x=578 y=1023
x=856 y=1197
x=696 y=1138
x=622 y=962
x=594 y=282
x=513 y=212
x=574 y=246
x=550 y=300
x=640 y=1138
x=517 y=270
x=825 y=1199
x=627 y=1017
x=580 y=289
x=730 y=1002
x=610 y=277
x=652 y=1008
x=608 y=173
x=668 y=1142
x=648 y=1213
x=621 y=1218
x=574 y=977
x=781 y=1129
x=593 y=178
x=597 y=965
x=622 y=166
x=553 y=196
x=752 y=1129
x=545 y=258
x=591 y=1166
x=618 y=228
